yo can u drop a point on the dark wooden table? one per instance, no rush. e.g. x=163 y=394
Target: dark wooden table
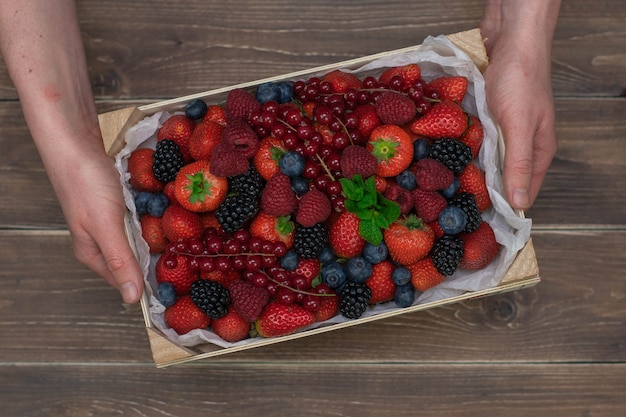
x=68 y=347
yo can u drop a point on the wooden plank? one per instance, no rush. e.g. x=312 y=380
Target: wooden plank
x=324 y=389
x=575 y=315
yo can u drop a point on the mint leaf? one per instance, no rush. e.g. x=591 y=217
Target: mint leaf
x=351 y=190
x=370 y=232
x=380 y=220
x=368 y=200
x=365 y=214
x=351 y=206
x=389 y=209
x=370 y=185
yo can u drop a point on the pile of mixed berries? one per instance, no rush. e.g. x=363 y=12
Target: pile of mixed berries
x=294 y=202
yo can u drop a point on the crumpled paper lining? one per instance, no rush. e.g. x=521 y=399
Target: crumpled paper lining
x=437 y=56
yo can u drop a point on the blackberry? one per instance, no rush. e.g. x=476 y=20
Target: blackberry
x=168 y=160
x=452 y=153
x=211 y=297
x=467 y=202
x=354 y=299
x=447 y=253
x=235 y=211
x=250 y=183
x=309 y=242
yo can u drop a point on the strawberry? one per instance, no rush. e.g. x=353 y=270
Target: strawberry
x=180 y=276
x=273 y=228
x=474 y=135
x=472 y=180
x=432 y=175
x=428 y=204
x=393 y=148
x=279 y=319
x=169 y=190
x=380 y=282
x=240 y=104
x=178 y=128
x=368 y=119
x=408 y=239
x=344 y=236
x=355 y=160
x=231 y=327
x=424 y=274
x=410 y=74
x=184 y=316
x=446 y=119
x=223 y=277
x=203 y=139
x=152 y=233
x=342 y=81
x=314 y=207
x=278 y=198
x=328 y=304
x=480 y=247
x=227 y=161
x=179 y=223
x=267 y=156
x=239 y=135
x=395 y=108
x=197 y=189
x=248 y=300
x=452 y=88
x=308 y=269
x=215 y=113
x=140 y=170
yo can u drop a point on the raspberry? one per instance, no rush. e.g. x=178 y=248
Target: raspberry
x=240 y=104
x=278 y=198
x=248 y=300
x=314 y=207
x=394 y=108
x=428 y=204
x=239 y=135
x=226 y=161
x=432 y=175
x=403 y=197
x=357 y=160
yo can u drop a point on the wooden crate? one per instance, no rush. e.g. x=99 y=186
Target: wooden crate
x=522 y=273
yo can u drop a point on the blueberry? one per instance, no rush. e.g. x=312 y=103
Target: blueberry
x=452 y=220
x=358 y=269
x=299 y=185
x=375 y=253
x=195 y=109
x=327 y=255
x=141 y=202
x=267 y=92
x=290 y=261
x=406 y=180
x=285 y=92
x=166 y=294
x=404 y=295
x=421 y=149
x=291 y=164
x=449 y=192
x=401 y=276
x=157 y=204
x=333 y=275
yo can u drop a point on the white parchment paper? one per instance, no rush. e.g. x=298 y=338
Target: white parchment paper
x=437 y=56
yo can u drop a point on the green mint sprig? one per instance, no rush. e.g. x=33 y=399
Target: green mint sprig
x=374 y=210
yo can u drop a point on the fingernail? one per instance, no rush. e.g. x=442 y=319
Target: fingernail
x=129 y=292
x=521 y=199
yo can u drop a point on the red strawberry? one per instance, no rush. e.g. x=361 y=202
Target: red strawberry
x=248 y=300
x=267 y=156
x=474 y=135
x=328 y=304
x=368 y=119
x=479 y=247
x=446 y=119
x=226 y=161
x=231 y=327
x=272 y=228
x=278 y=198
x=432 y=175
x=428 y=204
x=314 y=207
x=424 y=274
x=180 y=276
x=472 y=180
x=152 y=233
x=409 y=73
x=279 y=319
x=436 y=229
x=140 y=169
x=308 y=270
x=344 y=236
x=342 y=81
x=239 y=135
x=170 y=192
x=178 y=128
x=380 y=282
x=203 y=139
x=215 y=113
x=452 y=88
x=223 y=277
x=408 y=239
x=400 y=195
x=393 y=148
x=197 y=189
x=184 y=316
x=395 y=108
x=179 y=223
x=355 y=160
x=240 y=104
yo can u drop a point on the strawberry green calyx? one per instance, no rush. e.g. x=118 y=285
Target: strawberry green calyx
x=284 y=225
x=384 y=149
x=412 y=222
x=198 y=186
